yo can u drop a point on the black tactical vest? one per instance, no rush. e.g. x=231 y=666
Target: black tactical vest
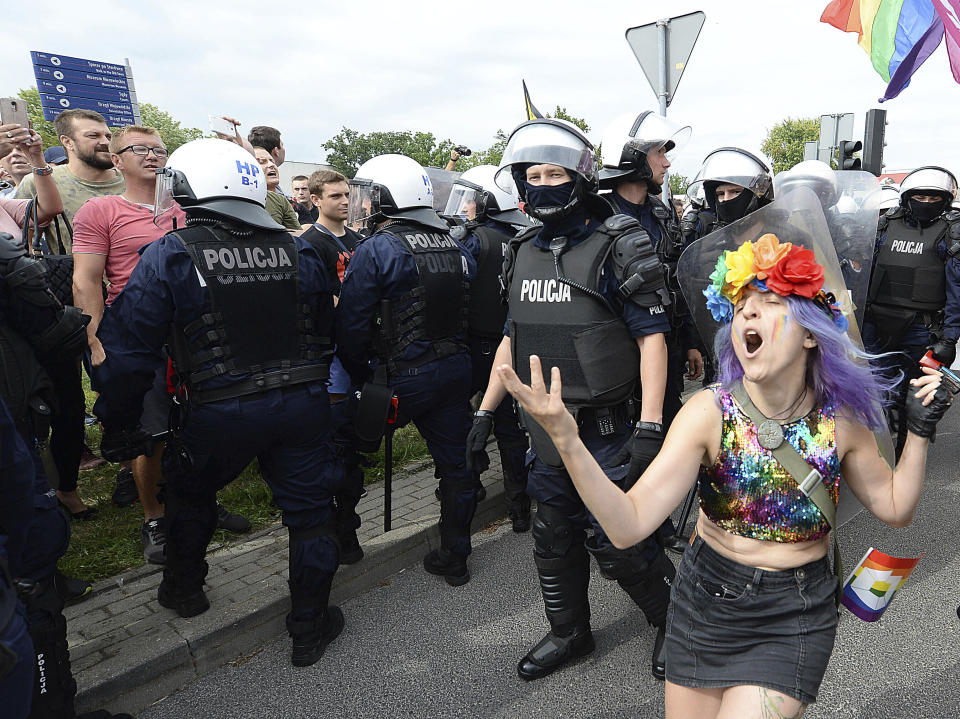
x=487 y=309
x=908 y=273
x=568 y=327
x=436 y=309
x=258 y=325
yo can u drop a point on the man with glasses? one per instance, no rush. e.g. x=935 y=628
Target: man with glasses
x=108 y=235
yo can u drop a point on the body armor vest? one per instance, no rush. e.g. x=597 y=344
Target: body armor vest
x=257 y=325
x=487 y=309
x=908 y=273
x=568 y=325
x=436 y=309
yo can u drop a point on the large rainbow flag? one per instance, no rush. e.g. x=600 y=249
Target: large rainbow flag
x=899 y=35
x=871 y=585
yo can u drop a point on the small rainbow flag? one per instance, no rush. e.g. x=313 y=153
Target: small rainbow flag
x=899 y=35
x=871 y=585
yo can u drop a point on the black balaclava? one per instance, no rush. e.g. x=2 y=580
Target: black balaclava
x=735 y=209
x=925 y=212
x=572 y=225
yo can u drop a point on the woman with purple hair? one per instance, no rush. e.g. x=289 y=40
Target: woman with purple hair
x=753 y=618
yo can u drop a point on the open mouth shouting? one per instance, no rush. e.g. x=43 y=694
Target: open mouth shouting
x=752 y=342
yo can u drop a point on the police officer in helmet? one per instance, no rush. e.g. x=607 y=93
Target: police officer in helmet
x=913 y=303
x=404 y=303
x=586 y=295
x=735 y=182
x=635 y=178
x=492 y=217
x=246 y=312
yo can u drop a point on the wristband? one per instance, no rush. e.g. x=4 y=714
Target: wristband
x=42 y=171
x=650 y=426
x=483 y=413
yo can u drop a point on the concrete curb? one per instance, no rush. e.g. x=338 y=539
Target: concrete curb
x=128 y=652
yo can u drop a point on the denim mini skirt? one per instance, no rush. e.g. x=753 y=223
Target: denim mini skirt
x=730 y=624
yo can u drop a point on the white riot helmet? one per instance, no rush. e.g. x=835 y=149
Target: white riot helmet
x=630 y=138
x=929 y=180
x=816 y=175
x=735 y=166
x=475 y=195
x=553 y=142
x=889 y=197
x=216 y=177
x=392 y=187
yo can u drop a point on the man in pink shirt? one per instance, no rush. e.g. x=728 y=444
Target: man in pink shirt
x=108 y=235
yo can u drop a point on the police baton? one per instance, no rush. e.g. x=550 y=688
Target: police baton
x=388 y=464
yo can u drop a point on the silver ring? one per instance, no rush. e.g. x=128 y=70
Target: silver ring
x=9 y=134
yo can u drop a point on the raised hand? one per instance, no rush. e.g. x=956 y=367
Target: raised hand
x=545 y=407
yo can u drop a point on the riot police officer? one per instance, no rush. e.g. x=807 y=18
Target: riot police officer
x=697 y=219
x=404 y=303
x=586 y=295
x=735 y=182
x=35 y=675
x=247 y=314
x=913 y=303
x=492 y=218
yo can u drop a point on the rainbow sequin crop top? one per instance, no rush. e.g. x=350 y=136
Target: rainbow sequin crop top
x=748 y=493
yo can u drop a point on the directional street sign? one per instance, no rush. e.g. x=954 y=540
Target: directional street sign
x=71 y=82
x=680 y=37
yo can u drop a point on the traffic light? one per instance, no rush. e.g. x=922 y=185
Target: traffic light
x=873 y=141
x=847 y=160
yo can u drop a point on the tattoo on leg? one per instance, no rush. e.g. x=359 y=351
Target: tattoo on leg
x=771 y=706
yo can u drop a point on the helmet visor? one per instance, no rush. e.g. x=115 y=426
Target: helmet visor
x=546 y=143
x=931 y=179
x=463 y=199
x=163 y=201
x=737 y=168
x=656 y=131
x=364 y=203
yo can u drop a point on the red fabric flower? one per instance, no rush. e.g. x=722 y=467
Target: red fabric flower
x=796 y=274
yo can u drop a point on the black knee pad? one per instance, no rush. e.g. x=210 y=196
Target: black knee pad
x=554 y=535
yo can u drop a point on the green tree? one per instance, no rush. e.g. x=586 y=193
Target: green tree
x=173 y=133
x=561 y=114
x=679 y=184
x=784 y=141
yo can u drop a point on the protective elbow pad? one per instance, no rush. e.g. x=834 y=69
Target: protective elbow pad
x=639 y=270
x=66 y=337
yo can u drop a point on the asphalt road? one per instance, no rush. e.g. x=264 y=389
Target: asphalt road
x=415 y=647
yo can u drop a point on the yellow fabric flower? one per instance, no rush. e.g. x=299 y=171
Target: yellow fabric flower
x=767 y=252
x=740 y=271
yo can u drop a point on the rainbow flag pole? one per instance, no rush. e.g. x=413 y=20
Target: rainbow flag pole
x=871 y=585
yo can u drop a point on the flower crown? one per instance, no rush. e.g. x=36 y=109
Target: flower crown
x=768 y=265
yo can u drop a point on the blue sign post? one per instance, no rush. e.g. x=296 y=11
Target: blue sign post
x=75 y=83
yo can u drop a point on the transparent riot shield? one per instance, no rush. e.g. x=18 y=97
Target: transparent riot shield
x=851 y=203
x=796 y=216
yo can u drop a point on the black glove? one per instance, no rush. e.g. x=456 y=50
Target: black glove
x=640 y=449
x=477 y=459
x=120 y=443
x=944 y=351
x=923 y=420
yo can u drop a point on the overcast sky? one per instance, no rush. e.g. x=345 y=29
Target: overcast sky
x=454 y=68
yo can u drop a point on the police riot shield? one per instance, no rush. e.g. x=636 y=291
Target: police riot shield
x=851 y=202
x=797 y=217
x=442 y=181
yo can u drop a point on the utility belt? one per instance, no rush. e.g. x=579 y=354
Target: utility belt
x=259 y=382
x=436 y=351
x=605 y=419
x=891 y=322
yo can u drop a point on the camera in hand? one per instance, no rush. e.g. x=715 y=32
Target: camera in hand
x=463 y=150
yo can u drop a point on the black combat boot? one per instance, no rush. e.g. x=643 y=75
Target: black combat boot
x=563 y=582
x=182 y=591
x=648 y=584
x=452 y=567
x=312 y=634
